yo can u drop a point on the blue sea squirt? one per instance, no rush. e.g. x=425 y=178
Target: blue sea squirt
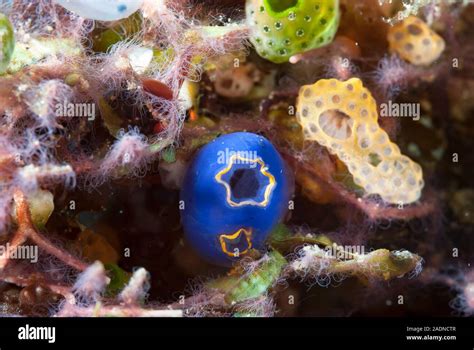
x=235 y=191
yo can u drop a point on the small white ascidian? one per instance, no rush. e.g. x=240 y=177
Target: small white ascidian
x=103 y=10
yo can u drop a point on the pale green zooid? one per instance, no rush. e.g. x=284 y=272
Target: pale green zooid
x=7 y=42
x=283 y=28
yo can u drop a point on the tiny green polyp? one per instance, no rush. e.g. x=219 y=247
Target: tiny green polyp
x=7 y=42
x=305 y=24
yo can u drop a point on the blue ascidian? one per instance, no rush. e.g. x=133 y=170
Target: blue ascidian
x=235 y=191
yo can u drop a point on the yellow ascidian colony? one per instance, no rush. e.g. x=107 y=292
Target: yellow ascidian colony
x=342 y=116
x=415 y=42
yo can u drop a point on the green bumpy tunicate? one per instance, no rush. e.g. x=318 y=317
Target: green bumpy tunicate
x=7 y=42
x=283 y=28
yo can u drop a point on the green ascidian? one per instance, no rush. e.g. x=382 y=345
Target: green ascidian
x=7 y=42
x=283 y=28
